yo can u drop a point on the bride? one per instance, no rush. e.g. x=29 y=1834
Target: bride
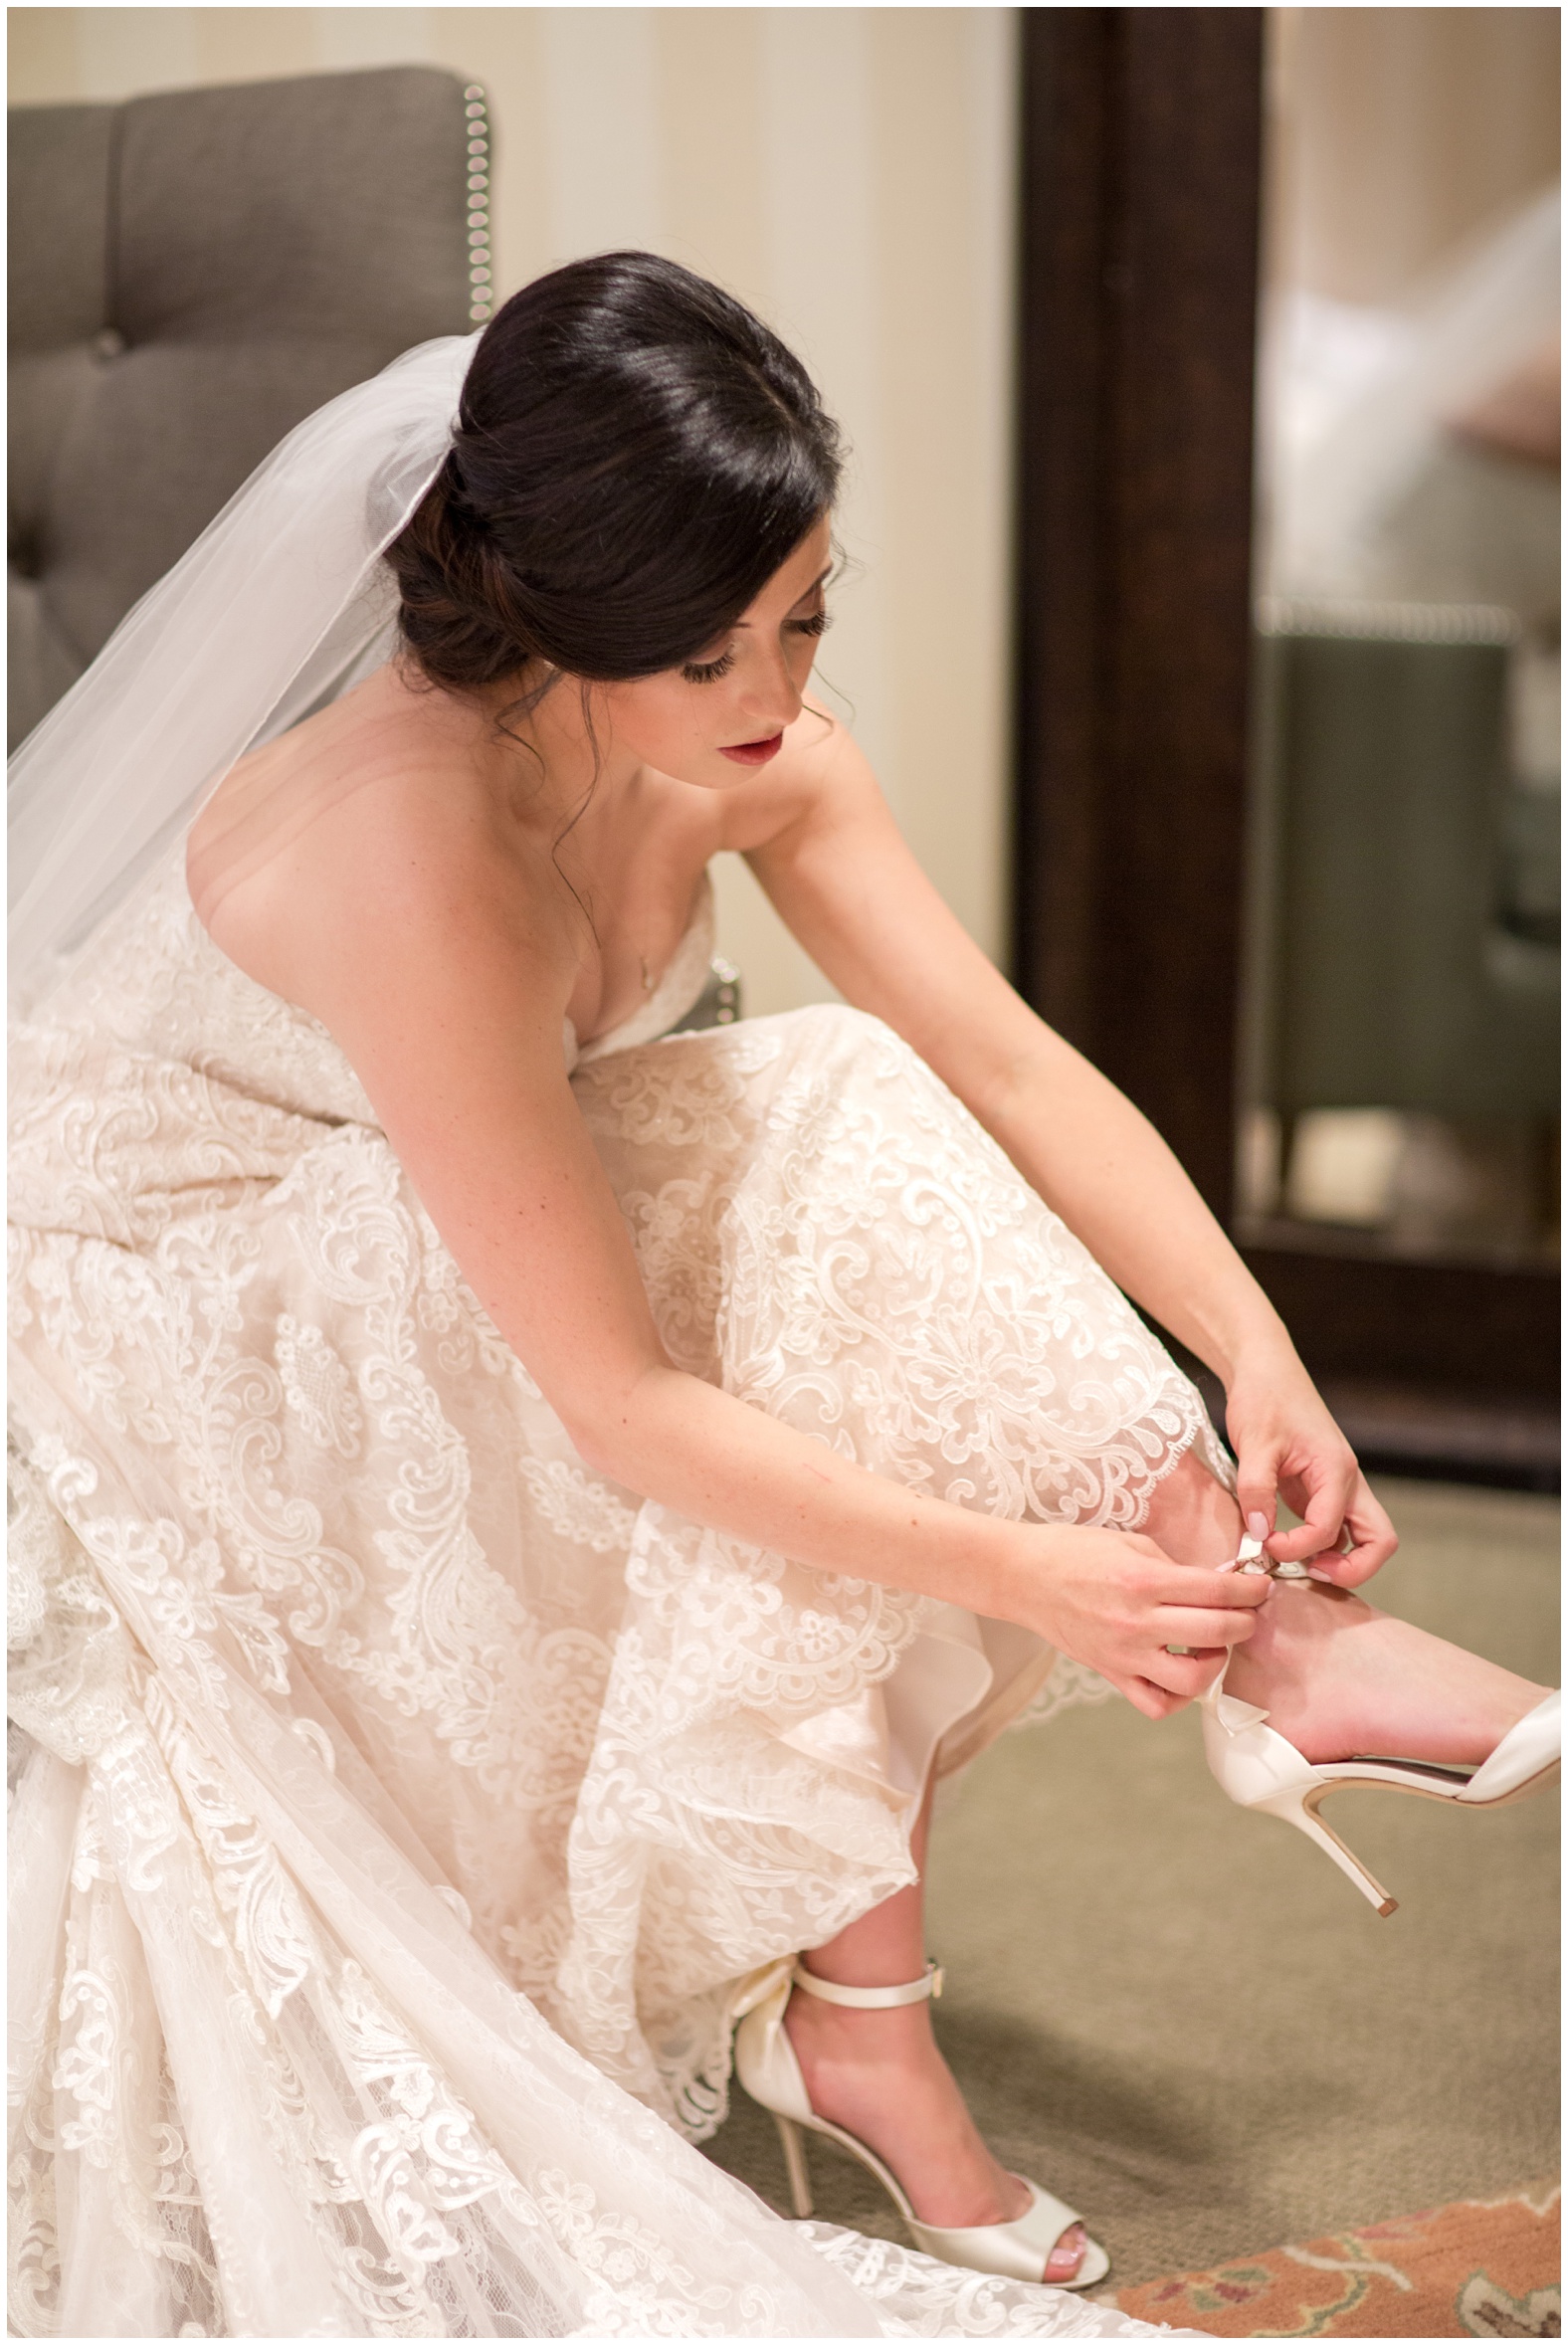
x=515 y=1507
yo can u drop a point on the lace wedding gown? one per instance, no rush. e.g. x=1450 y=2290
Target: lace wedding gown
x=399 y=1804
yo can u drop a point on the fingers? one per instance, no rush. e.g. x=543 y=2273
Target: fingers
x=1159 y=1703
x=1371 y=1539
x=1146 y=1604
x=1207 y=1612
x=1211 y=1591
x=1344 y=1535
x=1206 y=1632
x=1258 y=1490
x=1328 y=1501
x=1184 y=1674
x=1153 y=1700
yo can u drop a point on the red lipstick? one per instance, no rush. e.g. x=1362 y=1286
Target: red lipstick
x=754 y=752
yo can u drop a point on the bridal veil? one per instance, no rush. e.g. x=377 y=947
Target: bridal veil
x=282 y=597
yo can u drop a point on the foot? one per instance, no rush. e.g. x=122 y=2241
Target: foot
x=879 y=2075
x=1342 y=1680
x=1339 y=1678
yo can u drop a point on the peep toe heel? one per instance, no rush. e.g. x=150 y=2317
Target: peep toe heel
x=1260 y=1770
x=766 y=2065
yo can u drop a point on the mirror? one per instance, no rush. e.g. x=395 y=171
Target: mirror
x=1400 y=1026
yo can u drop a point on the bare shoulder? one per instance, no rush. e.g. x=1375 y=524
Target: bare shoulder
x=362 y=844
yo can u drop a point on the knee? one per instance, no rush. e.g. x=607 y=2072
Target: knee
x=835 y=1024
x=845 y=1039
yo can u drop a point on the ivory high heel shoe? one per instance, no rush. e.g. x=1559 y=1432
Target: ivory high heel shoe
x=766 y=2065
x=1260 y=1769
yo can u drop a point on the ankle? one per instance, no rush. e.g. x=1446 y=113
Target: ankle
x=831 y=2032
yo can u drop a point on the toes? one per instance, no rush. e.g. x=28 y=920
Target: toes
x=1067 y=2255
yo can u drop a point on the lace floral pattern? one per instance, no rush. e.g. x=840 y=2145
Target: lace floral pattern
x=356 y=1704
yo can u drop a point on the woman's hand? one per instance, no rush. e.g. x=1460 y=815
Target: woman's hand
x=1115 y=1601
x=1289 y=1447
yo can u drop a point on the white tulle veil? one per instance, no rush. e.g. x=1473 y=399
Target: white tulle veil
x=280 y=604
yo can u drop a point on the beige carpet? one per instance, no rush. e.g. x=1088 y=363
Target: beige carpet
x=1185 y=2020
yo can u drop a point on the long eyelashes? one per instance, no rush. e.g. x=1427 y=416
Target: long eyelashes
x=709 y=670
x=697 y=672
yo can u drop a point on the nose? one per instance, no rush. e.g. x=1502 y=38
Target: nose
x=773 y=697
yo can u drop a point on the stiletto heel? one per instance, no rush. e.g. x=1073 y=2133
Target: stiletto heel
x=1303 y=1813
x=794 y=2145
x=766 y=2065
x=1260 y=1770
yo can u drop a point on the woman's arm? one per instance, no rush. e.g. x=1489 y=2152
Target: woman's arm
x=429 y=972
x=848 y=888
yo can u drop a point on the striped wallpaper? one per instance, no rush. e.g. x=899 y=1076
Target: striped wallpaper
x=849 y=172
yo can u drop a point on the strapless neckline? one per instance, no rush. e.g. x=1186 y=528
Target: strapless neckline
x=682 y=981
x=164 y=885
x=676 y=992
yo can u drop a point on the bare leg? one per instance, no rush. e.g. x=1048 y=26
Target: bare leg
x=1337 y=1677
x=879 y=2075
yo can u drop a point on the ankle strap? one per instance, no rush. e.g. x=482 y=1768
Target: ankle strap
x=870 y=1998
x=1253 y=1557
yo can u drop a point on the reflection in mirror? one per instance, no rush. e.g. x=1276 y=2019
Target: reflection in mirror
x=1401 y=1010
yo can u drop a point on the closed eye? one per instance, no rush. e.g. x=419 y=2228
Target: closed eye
x=709 y=670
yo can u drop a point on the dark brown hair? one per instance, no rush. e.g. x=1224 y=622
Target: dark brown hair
x=636 y=455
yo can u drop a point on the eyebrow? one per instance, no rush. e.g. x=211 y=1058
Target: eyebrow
x=821 y=579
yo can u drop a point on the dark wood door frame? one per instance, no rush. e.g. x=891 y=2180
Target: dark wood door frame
x=1141 y=173
x=1142 y=141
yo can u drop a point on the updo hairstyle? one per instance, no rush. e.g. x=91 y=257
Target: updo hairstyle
x=636 y=455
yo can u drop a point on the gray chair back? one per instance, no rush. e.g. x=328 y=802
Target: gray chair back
x=1408 y=966
x=190 y=275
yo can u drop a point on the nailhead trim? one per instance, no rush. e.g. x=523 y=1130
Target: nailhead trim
x=480 y=293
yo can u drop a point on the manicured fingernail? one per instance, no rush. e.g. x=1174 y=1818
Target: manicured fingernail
x=1257 y=1524
x=1327 y=1578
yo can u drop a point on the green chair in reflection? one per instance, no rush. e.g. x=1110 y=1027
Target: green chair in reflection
x=1408 y=921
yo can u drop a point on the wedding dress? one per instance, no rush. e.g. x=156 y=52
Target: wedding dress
x=400 y=1806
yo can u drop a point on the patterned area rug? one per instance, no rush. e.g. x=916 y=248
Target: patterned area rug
x=1478 y=2269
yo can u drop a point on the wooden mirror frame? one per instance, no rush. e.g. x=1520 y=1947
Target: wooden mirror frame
x=1142 y=139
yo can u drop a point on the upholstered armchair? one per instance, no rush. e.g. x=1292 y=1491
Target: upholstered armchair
x=190 y=275
x=1415 y=961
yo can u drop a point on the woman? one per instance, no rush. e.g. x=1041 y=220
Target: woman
x=520 y=1503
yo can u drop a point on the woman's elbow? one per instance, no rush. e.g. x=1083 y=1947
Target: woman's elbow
x=597 y=1445
x=613 y=1428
